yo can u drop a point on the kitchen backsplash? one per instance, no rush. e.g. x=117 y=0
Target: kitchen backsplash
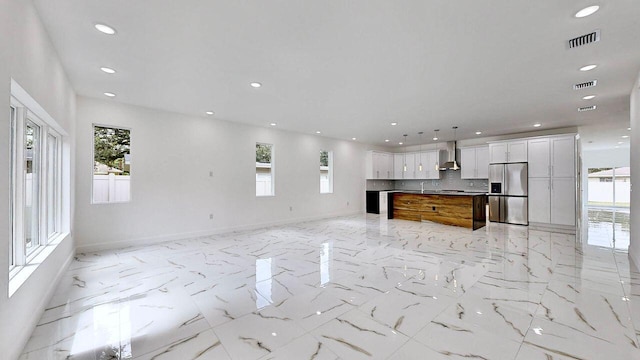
x=449 y=180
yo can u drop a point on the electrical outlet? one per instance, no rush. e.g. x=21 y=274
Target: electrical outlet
x=471 y=184
x=210 y=216
x=290 y=208
x=210 y=173
x=347 y=203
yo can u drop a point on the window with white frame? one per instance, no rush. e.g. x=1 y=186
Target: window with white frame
x=35 y=183
x=326 y=172
x=111 y=164
x=264 y=170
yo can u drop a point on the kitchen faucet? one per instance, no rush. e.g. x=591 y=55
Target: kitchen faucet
x=422 y=187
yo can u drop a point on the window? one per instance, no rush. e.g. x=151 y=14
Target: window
x=111 y=165
x=12 y=134
x=35 y=183
x=326 y=172
x=264 y=170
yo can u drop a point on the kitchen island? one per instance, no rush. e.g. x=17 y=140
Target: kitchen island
x=466 y=209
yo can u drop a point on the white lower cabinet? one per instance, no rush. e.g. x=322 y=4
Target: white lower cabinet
x=552 y=201
x=540 y=200
x=563 y=201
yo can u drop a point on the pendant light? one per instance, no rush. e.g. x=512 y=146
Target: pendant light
x=405 y=153
x=420 y=155
x=455 y=163
x=435 y=145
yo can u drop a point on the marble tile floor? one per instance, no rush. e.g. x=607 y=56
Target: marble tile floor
x=357 y=287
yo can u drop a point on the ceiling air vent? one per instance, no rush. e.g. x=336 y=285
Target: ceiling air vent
x=585 y=85
x=584 y=39
x=587 y=108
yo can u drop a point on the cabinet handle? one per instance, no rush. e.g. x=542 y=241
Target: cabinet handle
x=506 y=155
x=378 y=174
x=551 y=170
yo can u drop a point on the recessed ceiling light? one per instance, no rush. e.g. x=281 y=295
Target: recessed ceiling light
x=587 y=11
x=273 y=124
x=625 y=136
x=255 y=84
x=400 y=143
x=318 y=132
x=617 y=147
x=435 y=138
x=110 y=94
x=588 y=67
x=386 y=140
x=629 y=129
x=353 y=138
x=209 y=113
x=478 y=132
x=108 y=70
x=394 y=123
x=105 y=29
x=620 y=142
x=537 y=125
x=588 y=97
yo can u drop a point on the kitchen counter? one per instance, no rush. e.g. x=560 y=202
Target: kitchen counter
x=466 y=209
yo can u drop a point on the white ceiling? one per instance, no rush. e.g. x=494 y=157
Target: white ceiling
x=350 y=68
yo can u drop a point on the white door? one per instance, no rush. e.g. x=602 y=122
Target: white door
x=562 y=159
x=482 y=162
x=468 y=163
x=539 y=166
x=517 y=151
x=563 y=201
x=498 y=153
x=539 y=200
x=398 y=164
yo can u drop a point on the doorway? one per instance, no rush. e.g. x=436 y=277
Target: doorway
x=609 y=200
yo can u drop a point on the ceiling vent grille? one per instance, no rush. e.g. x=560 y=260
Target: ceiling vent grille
x=587 y=108
x=584 y=39
x=585 y=85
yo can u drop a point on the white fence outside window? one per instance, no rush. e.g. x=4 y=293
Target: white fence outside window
x=111 y=188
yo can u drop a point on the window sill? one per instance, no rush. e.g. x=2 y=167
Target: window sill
x=19 y=274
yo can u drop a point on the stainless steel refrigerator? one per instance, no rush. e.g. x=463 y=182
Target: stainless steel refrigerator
x=508 y=201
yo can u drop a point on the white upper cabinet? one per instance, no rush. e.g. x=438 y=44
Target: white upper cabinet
x=429 y=160
x=482 y=162
x=410 y=162
x=517 y=151
x=474 y=163
x=379 y=165
x=552 y=157
x=398 y=166
x=422 y=159
x=498 y=153
x=508 y=152
x=563 y=157
x=539 y=157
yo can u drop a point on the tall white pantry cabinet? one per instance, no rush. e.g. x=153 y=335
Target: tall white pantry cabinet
x=552 y=181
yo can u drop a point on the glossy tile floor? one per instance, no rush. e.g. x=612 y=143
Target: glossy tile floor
x=355 y=287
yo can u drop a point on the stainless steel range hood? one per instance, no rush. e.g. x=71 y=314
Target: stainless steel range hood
x=448 y=157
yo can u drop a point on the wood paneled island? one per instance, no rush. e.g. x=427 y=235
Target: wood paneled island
x=449 y=208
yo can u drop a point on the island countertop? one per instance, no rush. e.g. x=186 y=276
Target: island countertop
x=466 y=209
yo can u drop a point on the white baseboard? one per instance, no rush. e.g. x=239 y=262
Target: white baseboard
x=186 y=235
x=563 y=229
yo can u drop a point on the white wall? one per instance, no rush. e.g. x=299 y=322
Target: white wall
x=27 y=56
x=634 y=247
x=172 y=193
x=606 y=158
